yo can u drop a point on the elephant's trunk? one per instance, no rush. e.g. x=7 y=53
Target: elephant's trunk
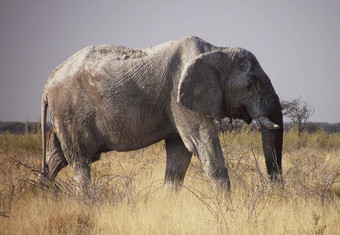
x=269 y=114
x=272 y=137
x=272 y=149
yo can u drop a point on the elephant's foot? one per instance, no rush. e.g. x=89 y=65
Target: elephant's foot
x=222 y=187
x=44 y=180
x=172 y=187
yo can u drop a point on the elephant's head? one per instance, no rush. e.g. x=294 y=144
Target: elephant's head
x=231 y=83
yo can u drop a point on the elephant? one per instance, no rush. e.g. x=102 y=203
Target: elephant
x=108 y=97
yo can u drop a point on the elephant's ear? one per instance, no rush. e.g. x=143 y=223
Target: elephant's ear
x=199 y=89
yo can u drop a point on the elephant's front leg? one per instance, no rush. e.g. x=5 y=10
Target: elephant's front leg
x=177 y=162
x=201 y=138
x=210 y=154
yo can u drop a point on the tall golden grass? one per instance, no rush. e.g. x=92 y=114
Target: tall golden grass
x=130 y=199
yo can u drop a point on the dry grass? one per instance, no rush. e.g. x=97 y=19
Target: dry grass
x=130 y=199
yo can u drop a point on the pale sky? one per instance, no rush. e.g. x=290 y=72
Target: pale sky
x=297 y=42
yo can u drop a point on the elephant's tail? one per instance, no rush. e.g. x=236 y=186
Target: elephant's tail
x=44 y=105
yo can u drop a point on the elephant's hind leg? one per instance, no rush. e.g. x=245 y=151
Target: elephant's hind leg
x=80 y=165
x=55 y=156
x=177 y=162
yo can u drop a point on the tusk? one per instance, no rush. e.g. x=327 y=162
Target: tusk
x=267 y=123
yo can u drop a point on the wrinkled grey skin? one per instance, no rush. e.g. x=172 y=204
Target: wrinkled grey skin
x=107 y=98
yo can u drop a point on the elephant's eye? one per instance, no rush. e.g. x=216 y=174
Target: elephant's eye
x=248 y=85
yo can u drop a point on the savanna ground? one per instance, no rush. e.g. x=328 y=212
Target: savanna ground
x=130 y=199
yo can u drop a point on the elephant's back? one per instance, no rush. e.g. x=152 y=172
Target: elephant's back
x=113 y=52
x=114 y=59
x=93 y=57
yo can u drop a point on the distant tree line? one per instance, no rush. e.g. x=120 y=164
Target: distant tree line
x=314 y=126
x=237 y=124
x=21 y=127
